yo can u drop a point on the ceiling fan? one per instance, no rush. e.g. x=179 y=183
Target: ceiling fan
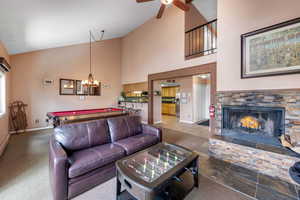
x=165 y=3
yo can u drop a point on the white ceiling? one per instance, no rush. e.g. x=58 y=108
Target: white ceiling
x=27 y=25
x=208 y=8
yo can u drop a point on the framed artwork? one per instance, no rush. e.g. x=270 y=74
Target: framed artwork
x=270 y=51
x=67 y=87
x=81 y=89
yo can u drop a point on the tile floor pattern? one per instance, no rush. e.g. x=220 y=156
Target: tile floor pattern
x=256 y=185
x=193 y=142
x=24 y=173
x=171 y=122
x=253 y=184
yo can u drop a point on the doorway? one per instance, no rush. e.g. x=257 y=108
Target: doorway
x=170 y=97
x=201 y=99
x=202 y=80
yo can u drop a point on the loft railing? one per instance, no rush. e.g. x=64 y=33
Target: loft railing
x=201 y=40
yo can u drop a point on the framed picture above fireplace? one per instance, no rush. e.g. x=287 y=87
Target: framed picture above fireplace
x=270 y=51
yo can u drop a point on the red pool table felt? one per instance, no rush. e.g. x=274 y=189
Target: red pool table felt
x=84 y=112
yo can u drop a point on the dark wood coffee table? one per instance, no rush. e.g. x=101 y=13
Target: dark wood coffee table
x=154 y=172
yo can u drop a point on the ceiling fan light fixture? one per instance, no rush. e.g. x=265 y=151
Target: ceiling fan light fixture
x=166 y=2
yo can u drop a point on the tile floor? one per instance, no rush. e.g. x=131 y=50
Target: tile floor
x=248 y=182
x=171 y=122
x=24 y=173
x=253 y=184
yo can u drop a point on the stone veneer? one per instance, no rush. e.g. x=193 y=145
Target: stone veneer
x=271 y=163
x=265 y=162
x=289 y=99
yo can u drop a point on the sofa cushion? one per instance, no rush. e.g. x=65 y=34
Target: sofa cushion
x=82 y=135
x=137 y=142
x=118 y=128
x=92 y=158
x=124 y=127
x=134 y=125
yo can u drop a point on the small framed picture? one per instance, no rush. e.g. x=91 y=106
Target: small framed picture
x=81 y=89
x=67 y=87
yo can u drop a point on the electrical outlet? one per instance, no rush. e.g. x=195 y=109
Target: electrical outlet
x=37 y=121
x=82 y=98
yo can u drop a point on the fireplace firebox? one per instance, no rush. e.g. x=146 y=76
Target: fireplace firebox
x=253 y=123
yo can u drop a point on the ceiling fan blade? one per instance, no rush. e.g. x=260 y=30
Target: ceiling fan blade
x=161 y=11
x=142 y=1
x=181 y=5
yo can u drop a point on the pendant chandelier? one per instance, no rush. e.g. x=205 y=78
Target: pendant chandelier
x=91 y=82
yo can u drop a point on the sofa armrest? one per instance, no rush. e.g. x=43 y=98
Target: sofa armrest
x=148 y=129
x=58 y=169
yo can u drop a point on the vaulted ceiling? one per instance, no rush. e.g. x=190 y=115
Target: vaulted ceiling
x=28 y=25
x=208 y=8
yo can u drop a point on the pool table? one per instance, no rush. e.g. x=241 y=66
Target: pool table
x=73 y=116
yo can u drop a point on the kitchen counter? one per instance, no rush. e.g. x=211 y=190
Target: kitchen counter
x=129 y=101
x=141 y=106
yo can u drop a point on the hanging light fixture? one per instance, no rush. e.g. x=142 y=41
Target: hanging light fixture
x=91 y=82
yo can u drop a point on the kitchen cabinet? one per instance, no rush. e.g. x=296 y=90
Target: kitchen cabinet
x=169 y=91
x=172 y=109
x=168 y=108
x=164 y=108
x=142 y=86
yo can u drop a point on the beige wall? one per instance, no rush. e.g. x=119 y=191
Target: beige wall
x=186 y=108
x=71 y=62
x=193 y=18
x=201 y=98
x=157 y=46
x=236 y=17
x=4 y=136
x=157 y=102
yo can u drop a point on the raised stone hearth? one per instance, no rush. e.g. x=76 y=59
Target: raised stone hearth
x=248 y=127
x=252 y=156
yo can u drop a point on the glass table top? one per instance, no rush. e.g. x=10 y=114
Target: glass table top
x=150 y=165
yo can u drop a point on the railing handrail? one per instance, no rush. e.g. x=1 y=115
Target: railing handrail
x=200 y=52
x=210 y=22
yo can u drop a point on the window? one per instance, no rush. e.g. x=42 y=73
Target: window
x=2 y=93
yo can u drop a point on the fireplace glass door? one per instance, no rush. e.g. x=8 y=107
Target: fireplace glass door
x=253 y=121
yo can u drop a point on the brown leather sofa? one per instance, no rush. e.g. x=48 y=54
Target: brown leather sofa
x=83 y=155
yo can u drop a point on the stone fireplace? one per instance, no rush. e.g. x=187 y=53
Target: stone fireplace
x=248 y=127
x=253 y=123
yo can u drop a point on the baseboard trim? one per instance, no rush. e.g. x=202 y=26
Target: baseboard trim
x=4 y=144
x=187 y=122
x=31 y=129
